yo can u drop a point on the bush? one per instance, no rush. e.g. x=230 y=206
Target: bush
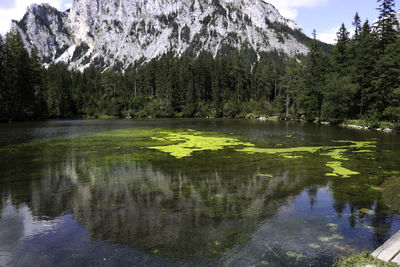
x=189 y=110
x=205 y=111
x=156 y=108
x=392 y=114
x=337 y=99
x=231 y=109
x=361 y=260
x=255 y=109
x=373 y=119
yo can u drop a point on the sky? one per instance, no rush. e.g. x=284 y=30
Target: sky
x=325 y=16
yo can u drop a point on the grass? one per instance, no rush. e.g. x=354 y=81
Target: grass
x=273 y=118
x=361 y=260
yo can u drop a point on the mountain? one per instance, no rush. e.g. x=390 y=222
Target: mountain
x=121 y=32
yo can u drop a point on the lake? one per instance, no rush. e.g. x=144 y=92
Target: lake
x=194 y=193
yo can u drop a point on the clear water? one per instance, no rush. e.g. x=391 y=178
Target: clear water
x=92 y=193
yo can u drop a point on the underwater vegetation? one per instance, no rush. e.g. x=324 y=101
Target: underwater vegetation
x=190 y=141
x=137 y=144
x=186 y=142
x=180 y=193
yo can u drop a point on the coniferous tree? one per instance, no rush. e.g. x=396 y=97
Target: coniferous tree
x=357 y=26
x=338 y=95
x=19 y=84
x=239 y=75
x=359 y=76
x=292 y=84
x=364 y=64
x=387 y=84
x=58 y=92
x=37 y=78
x=312 y=96
x=341 y=51
x=387 y=24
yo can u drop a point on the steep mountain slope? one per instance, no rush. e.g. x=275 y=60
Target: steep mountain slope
x=120 y=32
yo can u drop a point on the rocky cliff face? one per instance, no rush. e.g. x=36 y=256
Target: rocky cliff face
x=120 y=32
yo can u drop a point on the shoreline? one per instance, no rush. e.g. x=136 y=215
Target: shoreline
x=348 y=125
x=359 y=127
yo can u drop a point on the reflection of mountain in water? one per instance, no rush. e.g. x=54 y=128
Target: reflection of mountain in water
x=194 y=209
x=179 y=213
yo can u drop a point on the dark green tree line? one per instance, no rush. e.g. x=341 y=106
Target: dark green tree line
x=358 y=79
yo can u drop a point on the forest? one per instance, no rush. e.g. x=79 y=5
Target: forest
x=359 y=79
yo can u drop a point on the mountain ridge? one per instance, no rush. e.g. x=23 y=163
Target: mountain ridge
x=121 y=32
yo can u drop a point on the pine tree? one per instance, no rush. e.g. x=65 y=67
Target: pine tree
x=341 y=51
x=357 y=27
x=37 y=78
x=292 y=84
x=338 y=95
x=364 y=64
x=387 y=84
x=312 y=96
x=387 y=23
x=19 y=89
x=239 y=75
x=58 y=92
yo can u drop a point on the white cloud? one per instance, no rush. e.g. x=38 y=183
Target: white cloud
x=330 y=36
x=18 y=10
x=288 y=8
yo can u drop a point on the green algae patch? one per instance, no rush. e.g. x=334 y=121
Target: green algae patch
x=187 y=142
x=142 y=143
x=292 y=254
x=330 y=238
x=363 y=151
x=284 y=152
x=324 y=238
x=358 y=144
x=265 y=175
x=336 y=154
x=339 y=170
x=314 y=246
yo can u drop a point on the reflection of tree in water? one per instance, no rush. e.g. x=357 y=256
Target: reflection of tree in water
x=185 y=210
x=367 y=203
x=199 y=205
x=312 y=194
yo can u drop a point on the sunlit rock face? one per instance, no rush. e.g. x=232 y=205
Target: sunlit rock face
x=120 y=32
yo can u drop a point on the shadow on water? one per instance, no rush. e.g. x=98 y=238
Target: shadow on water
x=105 y=199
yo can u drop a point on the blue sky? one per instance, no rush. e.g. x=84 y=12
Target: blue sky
x=323 y=15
